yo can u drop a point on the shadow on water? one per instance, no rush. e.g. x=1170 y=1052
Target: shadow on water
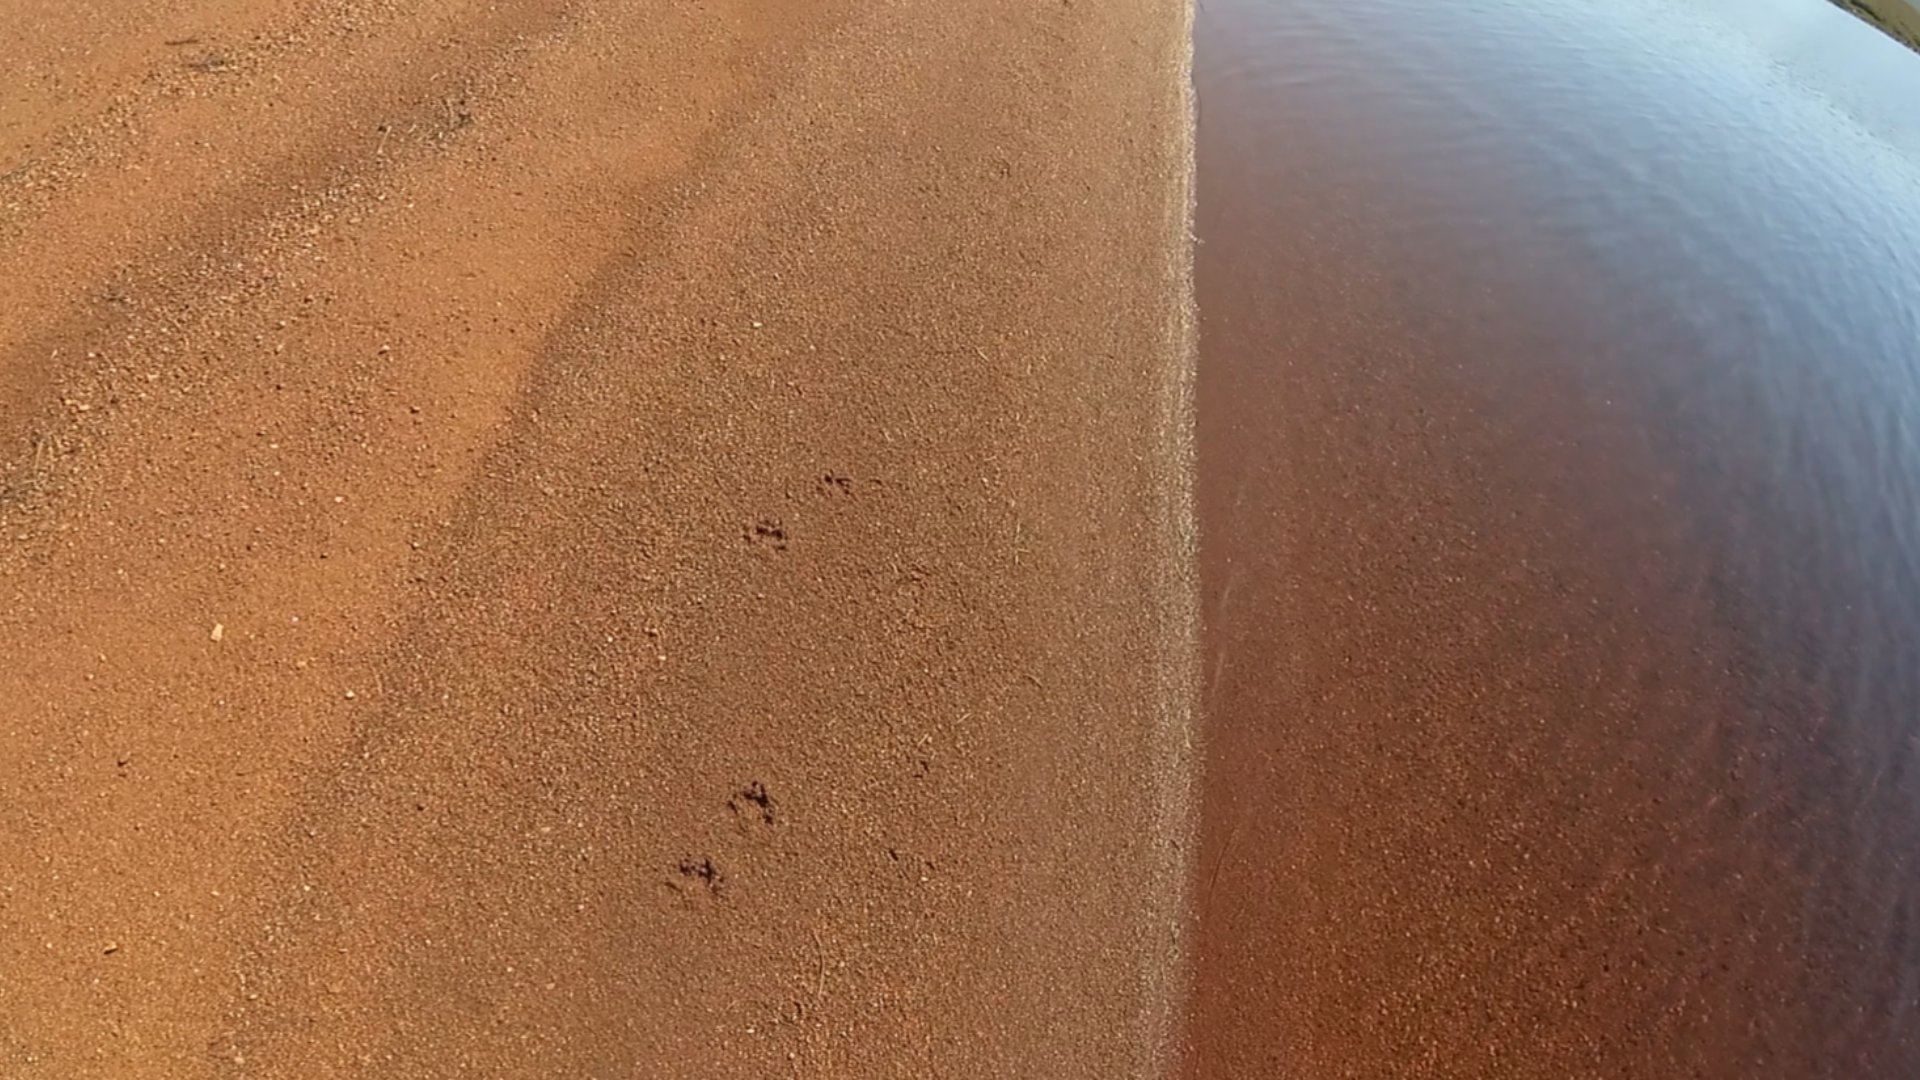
x=1560 y=491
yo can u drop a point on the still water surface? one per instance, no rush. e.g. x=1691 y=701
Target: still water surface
x=1560 y=485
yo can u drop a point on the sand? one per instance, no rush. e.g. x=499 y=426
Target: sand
x=593 y=539
x=1899 y=18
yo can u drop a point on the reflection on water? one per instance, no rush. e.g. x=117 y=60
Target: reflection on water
x=1560 y=485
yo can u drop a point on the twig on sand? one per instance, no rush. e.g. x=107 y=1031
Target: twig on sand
x=814 y=1047
x=1226 y=852
x=820 y=980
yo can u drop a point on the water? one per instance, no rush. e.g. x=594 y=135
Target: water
x=1560 y=487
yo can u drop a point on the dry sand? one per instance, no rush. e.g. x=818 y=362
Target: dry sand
x=632 y=538
x=1899 y=18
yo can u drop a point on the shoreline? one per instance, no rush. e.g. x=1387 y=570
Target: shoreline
x=1181 y=735
x=1898 y=19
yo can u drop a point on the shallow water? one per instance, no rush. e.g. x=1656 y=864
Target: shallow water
x=1560 y=491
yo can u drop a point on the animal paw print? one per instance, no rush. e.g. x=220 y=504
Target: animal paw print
x=768 y=531
x=754 y=801
x=701 y=871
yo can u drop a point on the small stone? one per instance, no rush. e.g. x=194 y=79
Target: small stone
x=219 y=631
x=350 y=695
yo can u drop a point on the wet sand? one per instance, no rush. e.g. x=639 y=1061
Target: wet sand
x=621 y=539
x=1557 y=482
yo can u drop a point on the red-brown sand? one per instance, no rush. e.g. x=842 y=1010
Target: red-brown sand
x=621 y=538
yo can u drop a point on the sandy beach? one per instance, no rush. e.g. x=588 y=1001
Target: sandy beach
x=634 y=538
